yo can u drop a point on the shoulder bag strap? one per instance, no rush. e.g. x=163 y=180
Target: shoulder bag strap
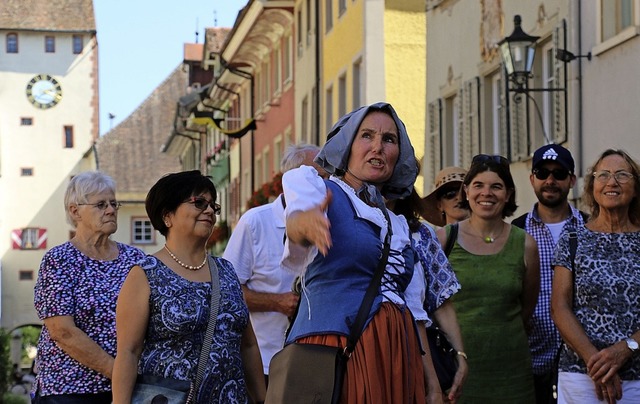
x=451 y=239
x=213 y=316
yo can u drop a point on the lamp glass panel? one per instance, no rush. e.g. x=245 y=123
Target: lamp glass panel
x=506 y=57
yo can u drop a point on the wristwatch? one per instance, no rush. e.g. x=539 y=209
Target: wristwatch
x=632 y=344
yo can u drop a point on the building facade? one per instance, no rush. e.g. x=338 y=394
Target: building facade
x=582 y=103
x=48 y=126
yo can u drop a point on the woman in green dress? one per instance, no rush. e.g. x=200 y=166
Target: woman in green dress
x=497 y=265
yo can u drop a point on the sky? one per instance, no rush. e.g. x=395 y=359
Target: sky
x=140 y=42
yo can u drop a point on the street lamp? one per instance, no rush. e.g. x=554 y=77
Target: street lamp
x=518 y=51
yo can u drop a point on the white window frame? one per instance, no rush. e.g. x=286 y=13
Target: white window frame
x=146 y=229
x=624 y=34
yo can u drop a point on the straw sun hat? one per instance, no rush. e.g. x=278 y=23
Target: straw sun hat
x=449 y=175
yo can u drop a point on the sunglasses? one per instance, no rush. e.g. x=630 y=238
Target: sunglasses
x=487 y=158
x=559 y=174
x=449 y=194
x=202 y=204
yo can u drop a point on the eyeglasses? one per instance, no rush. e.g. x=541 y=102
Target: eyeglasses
x=449 y=194
x=484 y=158
x=621 y=177
x=203 y=203
x=559 y=174
x=102 y=205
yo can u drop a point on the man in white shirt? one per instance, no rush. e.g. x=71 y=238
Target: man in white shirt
x=255 y=250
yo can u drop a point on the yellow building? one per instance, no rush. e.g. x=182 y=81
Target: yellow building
x=374 y=51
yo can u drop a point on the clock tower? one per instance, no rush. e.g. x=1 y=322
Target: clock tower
x=48 y=126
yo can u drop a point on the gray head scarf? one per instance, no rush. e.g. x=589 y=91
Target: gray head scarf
x=334 y=155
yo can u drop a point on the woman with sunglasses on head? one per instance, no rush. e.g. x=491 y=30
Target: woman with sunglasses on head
x=443 y=205
x=75 y=297
x=497 y=265
x=595 y=296
x=163 y=309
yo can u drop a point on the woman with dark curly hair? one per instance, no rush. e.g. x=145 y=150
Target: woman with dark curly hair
x=163 y=309
x=595 y=297
x=497 y=265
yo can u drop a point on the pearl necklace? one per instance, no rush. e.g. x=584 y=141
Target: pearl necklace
x=182 y=264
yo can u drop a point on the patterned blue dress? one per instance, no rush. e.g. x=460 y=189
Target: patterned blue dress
x=178 y=317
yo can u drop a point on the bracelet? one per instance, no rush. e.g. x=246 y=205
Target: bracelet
x=464 y=355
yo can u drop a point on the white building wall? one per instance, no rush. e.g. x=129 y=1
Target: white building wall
x=37 y=200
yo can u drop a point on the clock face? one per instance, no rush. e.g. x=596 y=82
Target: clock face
x=43 y=91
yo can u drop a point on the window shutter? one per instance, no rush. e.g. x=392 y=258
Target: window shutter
x=434 y=151
x=516 y=123
x=559 y=98
x=470 y=145
x=461 y=126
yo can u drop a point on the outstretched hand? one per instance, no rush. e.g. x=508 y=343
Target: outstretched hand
x=311 y=227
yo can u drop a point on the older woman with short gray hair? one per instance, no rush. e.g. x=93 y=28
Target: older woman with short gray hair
x=75 y=297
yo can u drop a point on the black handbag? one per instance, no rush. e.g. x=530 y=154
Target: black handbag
x=443 y=356
x=309 y=373
x=151 y=389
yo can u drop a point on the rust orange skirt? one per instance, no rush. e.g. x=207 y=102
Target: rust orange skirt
x=386 y=366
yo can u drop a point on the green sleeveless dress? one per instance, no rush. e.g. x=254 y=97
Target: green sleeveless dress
x=489 y=312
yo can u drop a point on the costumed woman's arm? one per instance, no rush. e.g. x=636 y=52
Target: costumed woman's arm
x=571 y=330
x=447 y=320
x=531 y=280
x=132 y=317
x=307 y=225
x=252 y=363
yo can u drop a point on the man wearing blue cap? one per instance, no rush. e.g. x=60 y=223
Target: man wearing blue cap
x=552 y=177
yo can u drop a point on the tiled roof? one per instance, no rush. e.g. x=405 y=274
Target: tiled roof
x=214 y=38
x=47 y=15
x=130 y=152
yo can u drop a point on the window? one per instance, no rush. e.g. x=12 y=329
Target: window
x=342 y=95
x=616 y=15
x=49 y=44
x=266 y=171
x=498 y=116
x=26 y=121
x=12 y=43
x=78 y=44
x=68 y=137
x=287 y=59
x=142 y=231
x=328 y=15
x=29 y=238
x=309 y=27
x=342 y=6
x=277 y=74
x=25 y=275
x=304 y=130
x=357 y=84
x=329 y=110
x=26 y=171
x=277 y=153
x=313 y=133
x=548 y=80
x=300 y=31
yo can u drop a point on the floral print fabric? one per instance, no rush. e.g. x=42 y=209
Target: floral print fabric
x=72 y=284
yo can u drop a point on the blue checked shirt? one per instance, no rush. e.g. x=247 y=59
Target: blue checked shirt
x=544 y=339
